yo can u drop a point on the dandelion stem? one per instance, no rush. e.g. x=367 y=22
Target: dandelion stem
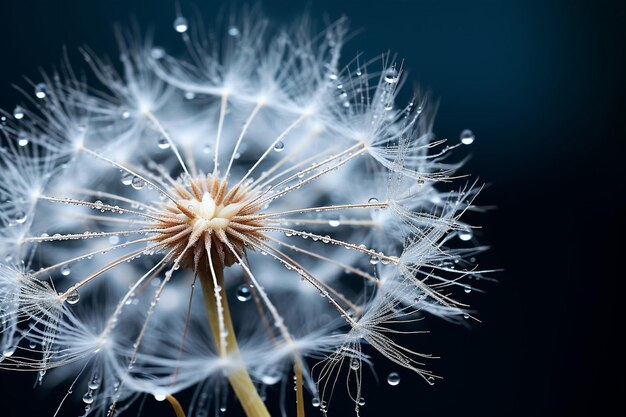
x=297 y=369
x=239 y=378
x=178 y=409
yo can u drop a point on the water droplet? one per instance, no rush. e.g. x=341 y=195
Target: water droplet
x=467 y=289
x=41 y=90
x=127 y=178
x=279 y=146
x=206 y=149
x=125 y=114
x=22 y=139
x=189 y=95
x=243 y=293
x=8 y=351
x=73 y=297
x=326 y=239
x=18 y=112
x=334 y=222
x=180 y=24
x=466 y=316
x=88 y=397
x=315 y=402
x=465 y=235
x=355 y=364
x=94 y=383
x=271 y=378
x=65 y=270
x=393 y=379
x=20 y=217
x=137 y=183
x=467 y=137
x=374 y=259
x=160 y=397
x=373 y=200
x=391 y=76
x=98 y=205
x=233 y=31
x=163 y=143
x=361 y=401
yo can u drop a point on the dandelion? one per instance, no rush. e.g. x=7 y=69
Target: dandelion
x=225 y=220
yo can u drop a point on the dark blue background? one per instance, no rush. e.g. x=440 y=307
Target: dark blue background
x=541 y=85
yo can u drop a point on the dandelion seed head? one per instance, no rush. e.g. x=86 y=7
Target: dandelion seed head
x=134 y=211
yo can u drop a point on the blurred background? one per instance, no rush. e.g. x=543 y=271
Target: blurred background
x=541 y=86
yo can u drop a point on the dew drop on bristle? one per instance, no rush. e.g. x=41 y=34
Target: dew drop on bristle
x=467 y=289
x=41 y=90
x=94 y=383
x=315 y=402
x=334 y=222
x=355 y=364
x=271 y=378
x=88 y=397
x=465 y=235
x=361 y=401
x=8 y=352
x=65 y=270
x=467 y=137
x=127 y=178
x=391 y=76
x=279 y=146
x=137 y=183
x=243 y=293
x=163 y=143
x=73 y=297
x=18 y=112
x=180 y=24
x=393 y=379
x=160 y=397
x=22 y=139
x=233 y=31
x=373 y=200
x=20 y=217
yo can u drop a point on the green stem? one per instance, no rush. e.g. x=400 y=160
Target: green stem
x=239 y=379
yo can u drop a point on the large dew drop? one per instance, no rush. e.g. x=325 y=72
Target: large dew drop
x=393 y=379
x=180 y=24
x=18 y=112
x=20 y=217
x=467 y=137
x=137 y=183
x=163 y=143
x=41 y=90
x=243 y=293
x=279 y=146
x=73 y=297
x=391 y=76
